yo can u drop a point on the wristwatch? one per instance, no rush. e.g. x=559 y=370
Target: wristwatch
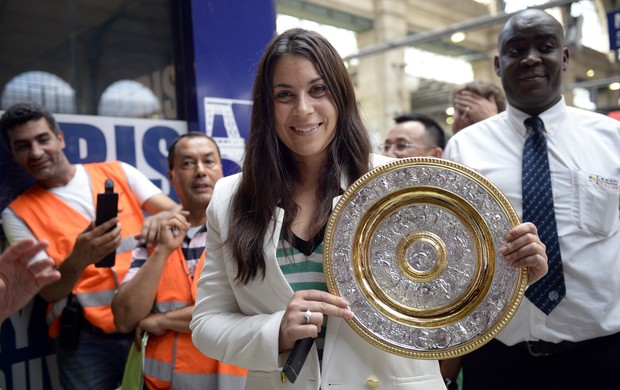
x=450 y=384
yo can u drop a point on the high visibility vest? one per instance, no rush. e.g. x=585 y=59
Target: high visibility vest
x=50 y=218
x=171 y=360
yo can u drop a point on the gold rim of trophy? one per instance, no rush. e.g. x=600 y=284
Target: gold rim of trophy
x=400 y=313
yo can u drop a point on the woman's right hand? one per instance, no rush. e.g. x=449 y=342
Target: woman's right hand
x=295 y=323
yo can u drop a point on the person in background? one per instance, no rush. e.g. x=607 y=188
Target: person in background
x=414 y=135
x=263 y=287
x=159 y=291
x=572 y=341
x=417 y=135
x=20 y=278
x=60 y=208
x=472 y=102
x=475 y=101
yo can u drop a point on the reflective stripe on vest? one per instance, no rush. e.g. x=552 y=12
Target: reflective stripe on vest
x=183 y=381
x=86 y=300
x=165 y=307
x=37 y=207
x=182 y=371
x=158 y=370
x=172 y=360
x=55 y=310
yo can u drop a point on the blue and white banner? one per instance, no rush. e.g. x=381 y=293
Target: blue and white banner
x=142 y=143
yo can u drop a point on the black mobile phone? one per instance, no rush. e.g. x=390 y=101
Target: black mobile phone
x=107 y=208
x=297 y=358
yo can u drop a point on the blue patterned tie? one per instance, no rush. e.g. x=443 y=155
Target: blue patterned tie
x=538 y=209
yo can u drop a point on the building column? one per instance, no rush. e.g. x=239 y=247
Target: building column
x=381 y=83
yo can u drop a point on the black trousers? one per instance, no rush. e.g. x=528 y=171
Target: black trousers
x=591 y=364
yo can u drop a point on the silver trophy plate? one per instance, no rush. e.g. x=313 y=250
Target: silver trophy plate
x=413 y=247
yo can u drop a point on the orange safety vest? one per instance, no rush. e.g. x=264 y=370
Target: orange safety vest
x=48 y=217
x=171 y=360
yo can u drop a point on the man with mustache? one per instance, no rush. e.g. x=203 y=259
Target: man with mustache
x=568 y=336
x=60 y=208
x=159 y=291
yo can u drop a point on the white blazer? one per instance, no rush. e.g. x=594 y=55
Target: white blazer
x=240 y=324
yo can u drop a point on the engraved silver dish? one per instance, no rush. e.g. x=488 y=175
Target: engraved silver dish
x=413 y=247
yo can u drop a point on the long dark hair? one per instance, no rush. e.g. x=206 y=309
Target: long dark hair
x=269 y=173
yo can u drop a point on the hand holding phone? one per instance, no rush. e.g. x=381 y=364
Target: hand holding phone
x=107 y=208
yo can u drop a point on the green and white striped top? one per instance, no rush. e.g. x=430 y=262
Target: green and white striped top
x=302 y=265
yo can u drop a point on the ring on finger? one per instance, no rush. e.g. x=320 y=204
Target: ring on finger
x=308 y=315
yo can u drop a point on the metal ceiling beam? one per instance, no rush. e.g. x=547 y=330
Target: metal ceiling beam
x=318 y=13
x=429 y=36
x=600 y=83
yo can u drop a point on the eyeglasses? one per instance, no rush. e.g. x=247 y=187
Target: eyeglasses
x=402 y=147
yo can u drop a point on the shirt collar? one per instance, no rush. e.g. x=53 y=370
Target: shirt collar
x=194 y=231
x=552 y=118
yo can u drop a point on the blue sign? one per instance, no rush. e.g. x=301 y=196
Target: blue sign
x=613 y=26
x=226 y=54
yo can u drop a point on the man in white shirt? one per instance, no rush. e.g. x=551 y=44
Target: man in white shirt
x=576 y=345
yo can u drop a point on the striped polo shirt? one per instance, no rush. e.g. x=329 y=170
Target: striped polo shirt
x=192 y=247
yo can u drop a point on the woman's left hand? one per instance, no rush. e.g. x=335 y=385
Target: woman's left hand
x=523 y=248
x=305 y=313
